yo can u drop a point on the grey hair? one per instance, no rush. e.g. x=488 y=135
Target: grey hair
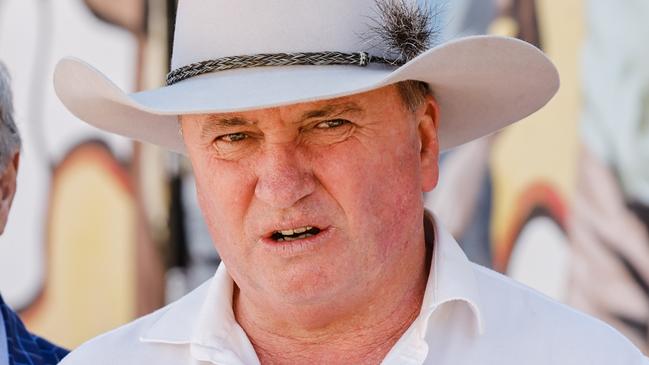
x=9 y=137
x=413 y=93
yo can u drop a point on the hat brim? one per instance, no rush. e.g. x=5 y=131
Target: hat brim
x=482 y=84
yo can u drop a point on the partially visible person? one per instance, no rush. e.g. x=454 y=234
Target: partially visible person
x=610 y=221
x=17 y=345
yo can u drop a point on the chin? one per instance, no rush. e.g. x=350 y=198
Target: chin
x=308 y=287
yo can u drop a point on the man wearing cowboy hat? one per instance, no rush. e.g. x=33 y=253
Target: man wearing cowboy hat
x=313 y=128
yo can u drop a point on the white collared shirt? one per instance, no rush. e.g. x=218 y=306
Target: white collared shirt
x=470 y=316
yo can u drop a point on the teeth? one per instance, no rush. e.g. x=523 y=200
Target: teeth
x=289 y=232
x=288 y=239
x=294 y=234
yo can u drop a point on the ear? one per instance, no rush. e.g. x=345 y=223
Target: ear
x=8 y=188
x=428 y=121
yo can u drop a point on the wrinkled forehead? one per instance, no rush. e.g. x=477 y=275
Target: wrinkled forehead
x=374 y=101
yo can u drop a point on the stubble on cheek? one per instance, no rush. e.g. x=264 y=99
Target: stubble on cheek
x=222 y=206
x=400 y=204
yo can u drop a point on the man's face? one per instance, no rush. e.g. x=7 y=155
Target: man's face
x=311 y=202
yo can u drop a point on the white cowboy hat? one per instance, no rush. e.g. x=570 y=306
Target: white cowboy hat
x=481 y=83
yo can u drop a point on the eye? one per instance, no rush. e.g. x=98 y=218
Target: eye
x=333 y=123
x=328 y=132
x=233 y=146
x=232 y=137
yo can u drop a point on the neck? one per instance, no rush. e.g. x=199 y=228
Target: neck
x=361 y=334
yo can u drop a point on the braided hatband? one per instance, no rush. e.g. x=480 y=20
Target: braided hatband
x=276 y=59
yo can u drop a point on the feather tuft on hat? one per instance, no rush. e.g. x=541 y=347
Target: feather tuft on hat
x=403 y=29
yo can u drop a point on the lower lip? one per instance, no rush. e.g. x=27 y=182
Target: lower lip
x=297 y=247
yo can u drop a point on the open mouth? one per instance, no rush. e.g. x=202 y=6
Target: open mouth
x=294 y=234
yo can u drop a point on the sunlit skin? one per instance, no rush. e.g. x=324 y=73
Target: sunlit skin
x=8 y=188
x=355 y=167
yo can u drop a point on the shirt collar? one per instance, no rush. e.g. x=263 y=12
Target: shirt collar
x=210 y=306
x=204 y=320
x=451 y=279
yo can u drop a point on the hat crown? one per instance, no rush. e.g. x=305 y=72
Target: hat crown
x=211 y=29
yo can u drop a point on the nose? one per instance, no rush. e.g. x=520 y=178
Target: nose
x=283 y=178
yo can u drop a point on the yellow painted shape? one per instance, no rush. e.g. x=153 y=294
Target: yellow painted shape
x=544 y=146
x=90 y=286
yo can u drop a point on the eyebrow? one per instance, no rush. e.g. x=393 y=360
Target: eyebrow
x=216 y=122
x=332 y=109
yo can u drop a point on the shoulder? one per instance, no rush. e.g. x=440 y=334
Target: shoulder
x=537 y=324
x=123 y=346
x=21 y=343
x=129 y=344
x=113 y=347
